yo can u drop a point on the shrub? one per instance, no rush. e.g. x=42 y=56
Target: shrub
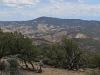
x=64 y=54
x=13 y=64
x=14 y=67
x=92 y=72
x=2 y=65
x=94 y=61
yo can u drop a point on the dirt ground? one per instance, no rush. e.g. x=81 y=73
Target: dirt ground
x=53 y=71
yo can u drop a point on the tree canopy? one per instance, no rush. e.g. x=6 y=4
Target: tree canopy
x=15 y=43
x=65 y=54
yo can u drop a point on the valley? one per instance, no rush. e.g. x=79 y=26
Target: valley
x=52 y=29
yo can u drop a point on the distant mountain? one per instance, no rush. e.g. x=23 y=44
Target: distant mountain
x=54 y=21
x=52 y=29
x=73 y=26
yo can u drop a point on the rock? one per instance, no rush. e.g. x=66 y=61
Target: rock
x=81 y=70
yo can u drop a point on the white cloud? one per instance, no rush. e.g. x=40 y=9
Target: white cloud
x=31 y=3
x=60 y=8
x=18 y=3
x=60 y=1
x=57 y=3
x=70 y=10
x=63 y=10
x=81 y=0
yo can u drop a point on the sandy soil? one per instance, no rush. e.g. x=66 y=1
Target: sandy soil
x=51 y=71
x=54 y=71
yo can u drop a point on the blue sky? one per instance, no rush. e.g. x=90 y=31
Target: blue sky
x=21 y=10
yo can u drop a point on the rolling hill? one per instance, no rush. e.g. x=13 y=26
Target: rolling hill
x=86 y=33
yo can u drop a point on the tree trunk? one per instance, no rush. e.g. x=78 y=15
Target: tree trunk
x=1 y=57
x=31 y=64
x=26 y=64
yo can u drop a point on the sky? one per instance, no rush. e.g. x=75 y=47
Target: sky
x=22 y=10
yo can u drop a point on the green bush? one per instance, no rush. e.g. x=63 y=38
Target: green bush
x=13 y=63
x=92 y=72
x=94 y=61
x=14 y=66
x=63 y=54
x=3 y=65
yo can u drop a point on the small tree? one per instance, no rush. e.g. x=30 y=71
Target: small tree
x=12 y=43
x=29 y=52
x=65 y=54
x=73 y=53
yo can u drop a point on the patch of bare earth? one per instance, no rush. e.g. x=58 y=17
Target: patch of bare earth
x=53 y=71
